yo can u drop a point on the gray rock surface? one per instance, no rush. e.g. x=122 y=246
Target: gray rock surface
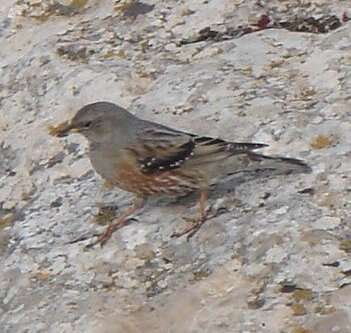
x=276 y=258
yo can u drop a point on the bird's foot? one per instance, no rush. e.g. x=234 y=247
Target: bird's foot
x=193 y=227
x=106 y=235
x=121 y=222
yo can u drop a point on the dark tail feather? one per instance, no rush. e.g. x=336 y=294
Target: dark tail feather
x=281 y=164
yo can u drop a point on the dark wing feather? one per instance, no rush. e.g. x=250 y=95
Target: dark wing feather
x=161 y=148
x=168 y=161
x=209 y=150
x=234 y=147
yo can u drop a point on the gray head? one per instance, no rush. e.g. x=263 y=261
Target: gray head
x=98 y=122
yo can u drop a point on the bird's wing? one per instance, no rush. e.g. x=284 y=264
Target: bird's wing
x=161 y=148
x=209 y=150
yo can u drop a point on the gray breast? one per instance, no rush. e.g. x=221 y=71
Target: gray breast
x=104 y=161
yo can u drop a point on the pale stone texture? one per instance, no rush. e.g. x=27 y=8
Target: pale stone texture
x=277 y=242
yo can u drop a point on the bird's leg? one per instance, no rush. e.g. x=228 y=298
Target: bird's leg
x=119 y=223
x=191 y=230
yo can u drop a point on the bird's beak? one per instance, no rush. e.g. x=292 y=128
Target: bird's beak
x=62 y=129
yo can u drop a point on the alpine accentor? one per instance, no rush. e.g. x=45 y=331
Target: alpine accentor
x=149 y=159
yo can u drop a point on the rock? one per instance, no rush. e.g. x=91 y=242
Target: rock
x=327 y=222
x=277 y=247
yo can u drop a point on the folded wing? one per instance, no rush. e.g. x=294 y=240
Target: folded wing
x=162 y=149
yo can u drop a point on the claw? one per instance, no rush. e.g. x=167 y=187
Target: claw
x=121 y=222
x=106 y=235
x=191 y=230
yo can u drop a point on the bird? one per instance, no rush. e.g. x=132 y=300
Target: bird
x=150 y=159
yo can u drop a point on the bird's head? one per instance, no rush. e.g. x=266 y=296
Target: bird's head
x=95 y=121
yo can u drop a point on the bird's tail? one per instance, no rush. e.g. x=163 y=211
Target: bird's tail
x=280 y=164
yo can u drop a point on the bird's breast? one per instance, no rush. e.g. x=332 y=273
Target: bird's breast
x=104 y=161
x=121 y=169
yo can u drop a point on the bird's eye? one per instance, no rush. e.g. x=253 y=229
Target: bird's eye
x=87 y=124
